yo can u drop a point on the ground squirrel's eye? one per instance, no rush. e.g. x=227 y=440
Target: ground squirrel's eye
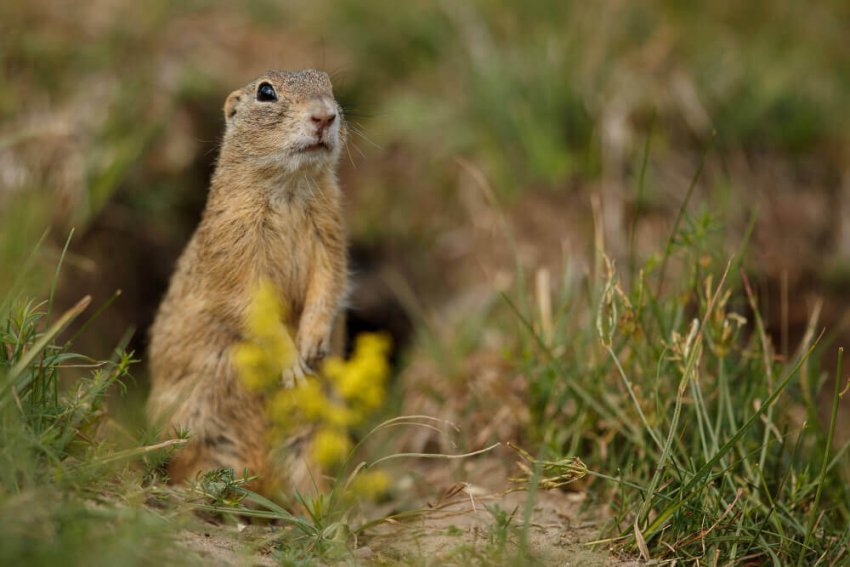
x=266 y=93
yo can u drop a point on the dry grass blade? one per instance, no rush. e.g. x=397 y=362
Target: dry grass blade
x=641 y=542
x=552 y=474
x=138 y=452
x=435 y=455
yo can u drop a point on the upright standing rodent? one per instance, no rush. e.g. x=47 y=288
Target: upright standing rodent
x=273 y=213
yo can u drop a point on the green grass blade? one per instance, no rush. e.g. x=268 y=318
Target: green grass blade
x=703 y=471
x=813 y=513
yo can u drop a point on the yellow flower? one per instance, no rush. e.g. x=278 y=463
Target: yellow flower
x=307 y=403
x=330 y=447
x=260 y=359
x=370 y=485
x=310 y=400
x=282 y=408
x=361 y=380
x=344 y=395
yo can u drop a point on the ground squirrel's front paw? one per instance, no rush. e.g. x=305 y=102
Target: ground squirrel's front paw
x=295 y=374
x=313 y=349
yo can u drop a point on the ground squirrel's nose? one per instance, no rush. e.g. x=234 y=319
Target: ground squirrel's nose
x=322 y=119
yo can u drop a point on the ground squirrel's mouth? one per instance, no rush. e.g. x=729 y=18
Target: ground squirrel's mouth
x=318 y=146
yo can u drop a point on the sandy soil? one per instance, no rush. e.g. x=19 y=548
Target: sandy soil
x=225 y=545
x=458 y=534
x=462 y=533
x=456 y=527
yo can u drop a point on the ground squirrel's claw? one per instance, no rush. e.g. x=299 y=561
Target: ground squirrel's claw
x=295 y=374
x=314 y=351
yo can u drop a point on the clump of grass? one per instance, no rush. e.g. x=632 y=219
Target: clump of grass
x=708 y=444
x=546 y=474
x=62 y=487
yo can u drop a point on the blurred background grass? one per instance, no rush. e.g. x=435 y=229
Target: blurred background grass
x=110 y=116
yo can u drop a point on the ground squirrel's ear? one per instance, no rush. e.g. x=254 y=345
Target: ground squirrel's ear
x=230 y=104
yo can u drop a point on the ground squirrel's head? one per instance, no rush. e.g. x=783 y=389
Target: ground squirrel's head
x=286 y=119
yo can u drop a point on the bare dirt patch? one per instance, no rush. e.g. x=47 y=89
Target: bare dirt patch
x=219 y=545
x=468 y=531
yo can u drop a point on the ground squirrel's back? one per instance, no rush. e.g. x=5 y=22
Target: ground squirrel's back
x=273 y=212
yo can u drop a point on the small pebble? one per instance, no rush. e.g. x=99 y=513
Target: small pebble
x=364 y=552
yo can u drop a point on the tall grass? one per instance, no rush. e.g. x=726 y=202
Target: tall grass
x=63 y=485
x=707 y=443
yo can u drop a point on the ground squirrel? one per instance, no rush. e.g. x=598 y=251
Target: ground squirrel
x=273 y=212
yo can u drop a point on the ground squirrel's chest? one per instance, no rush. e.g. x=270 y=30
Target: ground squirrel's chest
x=291 y=245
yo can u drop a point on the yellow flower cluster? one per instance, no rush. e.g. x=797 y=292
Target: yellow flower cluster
x=269 y=349
x=345 y=394
x=361 y=381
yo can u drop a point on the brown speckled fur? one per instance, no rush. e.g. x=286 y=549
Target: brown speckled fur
x=274 y=210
